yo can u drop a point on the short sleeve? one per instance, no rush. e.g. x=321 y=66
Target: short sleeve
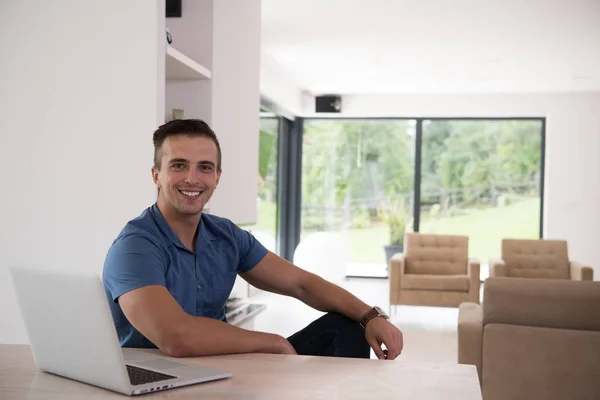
x=133 y=261
x=251 y=251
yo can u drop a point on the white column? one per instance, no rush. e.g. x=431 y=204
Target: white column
x=80 y=94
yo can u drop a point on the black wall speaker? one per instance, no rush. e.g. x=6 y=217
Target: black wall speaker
x=173 y=8
x=328 y=104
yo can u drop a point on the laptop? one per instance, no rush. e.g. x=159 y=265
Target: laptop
x=71 y=333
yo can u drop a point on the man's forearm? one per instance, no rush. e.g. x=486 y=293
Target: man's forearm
x=328 y=297
x=199 y=336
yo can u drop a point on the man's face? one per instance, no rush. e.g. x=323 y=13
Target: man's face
x=188 y=173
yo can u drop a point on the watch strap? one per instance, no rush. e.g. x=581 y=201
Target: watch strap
x=369 y=315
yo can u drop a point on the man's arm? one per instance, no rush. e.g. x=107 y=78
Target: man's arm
x=278 y=275
x=154 y=312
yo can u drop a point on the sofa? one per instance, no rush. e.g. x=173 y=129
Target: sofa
x=526 y=258
x=434 y=270
x=534 y=339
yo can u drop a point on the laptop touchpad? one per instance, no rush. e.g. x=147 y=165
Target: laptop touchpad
x=161 y=364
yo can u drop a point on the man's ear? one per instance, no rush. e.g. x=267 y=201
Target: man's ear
x=218 y=177
x=155 y=172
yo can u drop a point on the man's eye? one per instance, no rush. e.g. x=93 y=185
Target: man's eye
x=178 y=166
x=206 y=168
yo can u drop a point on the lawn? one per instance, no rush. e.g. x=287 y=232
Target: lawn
x=485 y=229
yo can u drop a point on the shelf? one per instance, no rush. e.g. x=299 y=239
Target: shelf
x=241 y=312
x=180 y=67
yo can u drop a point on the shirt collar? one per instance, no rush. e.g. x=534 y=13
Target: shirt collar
x=204 y=235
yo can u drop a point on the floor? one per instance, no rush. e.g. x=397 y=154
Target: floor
x=430 y=333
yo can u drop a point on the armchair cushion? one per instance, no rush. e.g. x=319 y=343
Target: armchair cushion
x=435 y=282
x=549 y=303
x=536 y=258
x=436 y=254
x=531 y=363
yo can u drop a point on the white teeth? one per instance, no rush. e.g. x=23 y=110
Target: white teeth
x=190 y=194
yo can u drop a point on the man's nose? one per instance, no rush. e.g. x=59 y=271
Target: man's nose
x=193 y=176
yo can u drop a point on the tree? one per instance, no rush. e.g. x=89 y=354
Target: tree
x=355 y=163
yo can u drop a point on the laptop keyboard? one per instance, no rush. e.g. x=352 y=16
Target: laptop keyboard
x=140 y=376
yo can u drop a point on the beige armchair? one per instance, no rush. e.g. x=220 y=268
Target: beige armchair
x=524 y=258
x=534 y=339
x=434 y=271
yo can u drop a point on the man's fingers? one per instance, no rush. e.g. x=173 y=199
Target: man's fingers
x=376 y=348
x=393 y=351
x=394 y=345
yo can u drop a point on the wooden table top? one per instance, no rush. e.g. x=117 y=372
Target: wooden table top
x=263 y=376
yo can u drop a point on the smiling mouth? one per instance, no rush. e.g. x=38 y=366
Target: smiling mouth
x=190 y=193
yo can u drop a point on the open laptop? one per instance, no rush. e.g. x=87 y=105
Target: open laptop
x=71 y=334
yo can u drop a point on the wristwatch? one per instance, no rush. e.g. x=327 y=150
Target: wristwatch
x=372 y=313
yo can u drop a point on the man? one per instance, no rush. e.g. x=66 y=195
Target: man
x=170 y=271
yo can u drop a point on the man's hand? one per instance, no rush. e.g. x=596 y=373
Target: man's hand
x=380 y=330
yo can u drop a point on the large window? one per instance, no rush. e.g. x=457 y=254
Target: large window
x=350 y=188
x=352 y=170
x=476 y=177
x=266 y=228
x=482 y=179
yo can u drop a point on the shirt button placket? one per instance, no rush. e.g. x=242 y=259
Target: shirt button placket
x=199 y=292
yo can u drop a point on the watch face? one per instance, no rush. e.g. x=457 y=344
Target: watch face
x=381 y=312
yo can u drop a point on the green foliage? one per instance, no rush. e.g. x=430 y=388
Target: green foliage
x=266 y=146
x=267 y=159
x=350 y=161
x=361 y=220
x=395 y=214
x=350 y=166
x=476 y=161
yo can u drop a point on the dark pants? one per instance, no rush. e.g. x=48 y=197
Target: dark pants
x=332 y=335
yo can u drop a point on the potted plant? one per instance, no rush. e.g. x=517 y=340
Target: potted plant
x=394 y=213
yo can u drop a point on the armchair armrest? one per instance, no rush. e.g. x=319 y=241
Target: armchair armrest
x=497 y=268
x=473 y=272
x=396 y=271
x=579 y=272
x=470 y=335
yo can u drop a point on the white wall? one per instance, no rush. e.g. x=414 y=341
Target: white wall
x=572 y=179
x=235 y=106
x=230 y=101
x=192 y=35
x=277 y=86
x=82 y=90
x=79 y=100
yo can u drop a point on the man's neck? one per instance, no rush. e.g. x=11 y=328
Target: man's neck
x=184 y=226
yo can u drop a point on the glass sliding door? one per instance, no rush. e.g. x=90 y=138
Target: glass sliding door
x=266 y=228
x=352 y=172
x=481 y=178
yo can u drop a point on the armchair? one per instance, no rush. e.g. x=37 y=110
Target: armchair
x=524 y=258
x=434 y=271
x=533 y=339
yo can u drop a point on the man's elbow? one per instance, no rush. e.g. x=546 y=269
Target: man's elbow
x=173 y=349
x=305 y=283
x=174 y=344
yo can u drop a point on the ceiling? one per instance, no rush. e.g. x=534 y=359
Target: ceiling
x=435 y=46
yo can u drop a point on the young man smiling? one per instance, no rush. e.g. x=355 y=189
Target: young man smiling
x=170 y=271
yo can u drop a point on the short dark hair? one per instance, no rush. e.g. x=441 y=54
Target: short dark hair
x=190 y=127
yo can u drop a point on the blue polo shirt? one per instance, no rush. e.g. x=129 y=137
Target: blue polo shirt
x=147 y=252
